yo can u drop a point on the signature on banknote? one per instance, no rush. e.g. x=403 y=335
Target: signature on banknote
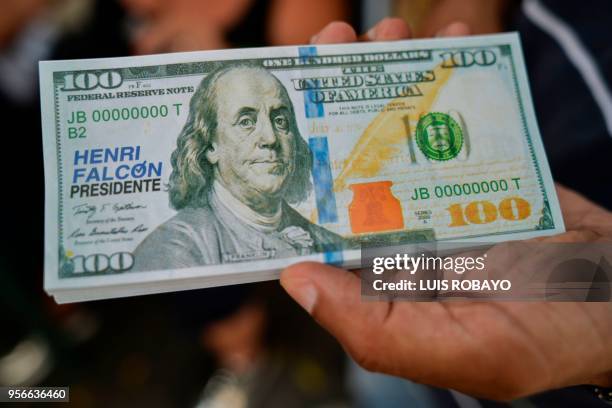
x=90 y=210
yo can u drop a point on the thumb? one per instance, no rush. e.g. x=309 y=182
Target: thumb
x=333 y=297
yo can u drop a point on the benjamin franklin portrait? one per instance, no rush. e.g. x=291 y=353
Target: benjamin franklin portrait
x=239 y=164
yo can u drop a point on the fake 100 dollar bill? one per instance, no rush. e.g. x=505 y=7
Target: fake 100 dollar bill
x=178 y=171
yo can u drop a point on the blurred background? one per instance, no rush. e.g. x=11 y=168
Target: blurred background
x=247 y=345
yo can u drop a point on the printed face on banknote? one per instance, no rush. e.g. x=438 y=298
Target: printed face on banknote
x=239 y=162
x=439 y=137
x=254 y=145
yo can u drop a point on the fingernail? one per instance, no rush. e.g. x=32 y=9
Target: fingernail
x=314 y=38
x=371 y=34
x=305 y=295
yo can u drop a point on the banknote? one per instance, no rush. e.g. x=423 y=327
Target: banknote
x=178 y=171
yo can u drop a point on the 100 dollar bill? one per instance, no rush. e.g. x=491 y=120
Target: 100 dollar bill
x=176 y=171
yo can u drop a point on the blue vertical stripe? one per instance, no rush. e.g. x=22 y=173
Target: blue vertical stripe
x=323 y=181
x=333 y=256
x=312 y=109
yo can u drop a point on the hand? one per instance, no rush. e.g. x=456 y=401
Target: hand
x=482 y=16
x=498 y=350
x=177 y=32
x=388 y=29
x=183 y=25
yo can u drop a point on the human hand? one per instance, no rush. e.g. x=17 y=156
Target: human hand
x=482 y=16
x=498 y=350
x=177 y=32
x=388 y=29
x=171 y=36
x=182 y=25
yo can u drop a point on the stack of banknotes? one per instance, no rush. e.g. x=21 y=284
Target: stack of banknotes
x=189 y=170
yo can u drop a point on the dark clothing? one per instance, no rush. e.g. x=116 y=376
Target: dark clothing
x=577 y=142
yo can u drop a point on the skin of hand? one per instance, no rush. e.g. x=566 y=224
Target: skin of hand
x=187 y=25
x=495 y=350
x=482 y=16
x=178 y=33
x=291 y=23
x=182 y=25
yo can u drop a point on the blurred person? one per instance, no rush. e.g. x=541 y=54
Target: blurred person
x=187 y=25
x=270 y=354
x=446 y=344
x=569 y=61
x=38 y=332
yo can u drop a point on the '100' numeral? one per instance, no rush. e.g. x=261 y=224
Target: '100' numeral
x=87 y=80
x=97 y=263
x=485 y=212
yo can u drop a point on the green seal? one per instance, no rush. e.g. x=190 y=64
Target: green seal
x=439 y=136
